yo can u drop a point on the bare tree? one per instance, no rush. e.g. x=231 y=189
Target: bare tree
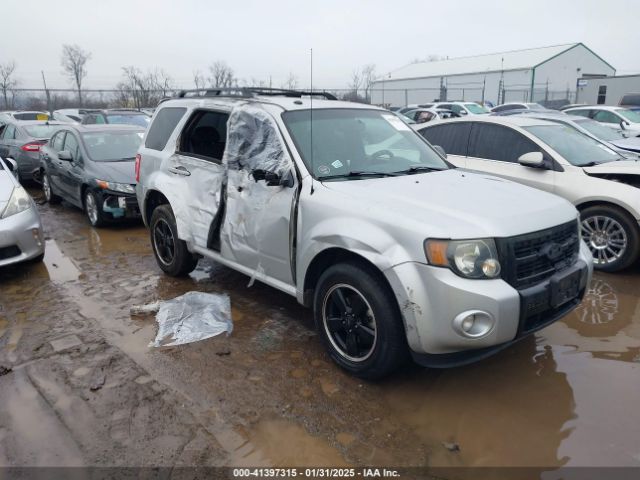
x=74 y=61
x=291 y=83
x=368 y=77
x=221 y=75
x=356 y=81
x=161 y=83
x=199 y=80
x=8 y=82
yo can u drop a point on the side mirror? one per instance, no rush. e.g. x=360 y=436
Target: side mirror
x=532 y=160
x=12 y=165
x=440 y=150
x=65 y=155
x=273 y=179
x=462 y=112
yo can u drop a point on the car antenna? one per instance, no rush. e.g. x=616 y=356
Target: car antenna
x=311 y=114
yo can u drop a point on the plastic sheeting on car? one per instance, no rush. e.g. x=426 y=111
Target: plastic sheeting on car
x=253 y=141
x=192 y=317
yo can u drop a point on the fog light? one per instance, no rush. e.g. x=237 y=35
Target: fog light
x=473 y=323
x=467 y=323
x=36 y=236
x=491 y=267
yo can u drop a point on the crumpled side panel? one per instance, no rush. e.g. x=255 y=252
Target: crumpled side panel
x=253 y=208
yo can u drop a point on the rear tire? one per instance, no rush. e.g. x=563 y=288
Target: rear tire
x=358 y=318
x=171 y=253
x=47 y=189
x=612 y=236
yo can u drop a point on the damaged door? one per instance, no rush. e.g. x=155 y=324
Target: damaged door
x=198 y=165
x=260 y=194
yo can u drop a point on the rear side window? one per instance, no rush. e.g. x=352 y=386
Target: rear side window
x=205 y=135
x=9 y=133
x=632 y=100
x=453 y=137
x=495 y=142
x=162 y=127
x=605 y=116
x=582 y=113
x=56 y=141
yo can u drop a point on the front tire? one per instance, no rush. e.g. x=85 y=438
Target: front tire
x=47 y=189
x=93 y=209
x=358 y=318
x=612 y=236
x=171 y=253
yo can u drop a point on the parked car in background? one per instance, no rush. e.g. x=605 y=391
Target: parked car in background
x=117 y=117
x=92 y=167
x=404 y=118
x=431 y=270
x=559 y=159
x=22 y=140
x=630 y=101
x=462 y=108
x=22 y=115
x=424 y=115
x=614 y=139
x=70 y=115
x=612 y=117
x=21 y=236
x=517 y=106
x=571 y=105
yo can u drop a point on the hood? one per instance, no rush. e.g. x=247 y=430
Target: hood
x=632 y=143
x=119 y=172
x=6 y=188
x=628 y=167
x=458 y=204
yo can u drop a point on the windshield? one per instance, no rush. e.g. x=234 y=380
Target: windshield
x=475 y=108
x=577 y=148
x=124 y=119
x=112 y=146
x=360 y=141
x=600 y=131
x=631 y=115
x=41 y=131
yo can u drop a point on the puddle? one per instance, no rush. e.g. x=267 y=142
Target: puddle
x=60 y=267
x=279 y=443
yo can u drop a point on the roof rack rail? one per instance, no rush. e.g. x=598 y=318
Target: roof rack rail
x=249 y=92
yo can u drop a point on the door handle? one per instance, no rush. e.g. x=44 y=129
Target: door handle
x=180 y=170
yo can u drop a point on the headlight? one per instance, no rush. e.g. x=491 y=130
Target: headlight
x=467 y=258
x=19 y=202
x=116 y=187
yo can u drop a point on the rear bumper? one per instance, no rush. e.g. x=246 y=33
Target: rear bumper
x=21 y=237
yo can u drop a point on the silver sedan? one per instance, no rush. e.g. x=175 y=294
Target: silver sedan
x=21 y=236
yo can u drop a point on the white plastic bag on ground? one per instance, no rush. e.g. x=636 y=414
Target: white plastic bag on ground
x=192 y=317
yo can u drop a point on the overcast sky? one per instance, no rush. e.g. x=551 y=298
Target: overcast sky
x=266 y=38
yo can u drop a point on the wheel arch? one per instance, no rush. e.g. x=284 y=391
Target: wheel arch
x=604 y=203
x=153 y=199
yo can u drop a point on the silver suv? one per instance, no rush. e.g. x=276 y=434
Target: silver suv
x=346 y=208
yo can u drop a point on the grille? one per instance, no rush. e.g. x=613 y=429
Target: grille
x=534 y=257
x=9 y=252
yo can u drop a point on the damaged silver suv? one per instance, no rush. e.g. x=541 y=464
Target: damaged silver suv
x=347 y=208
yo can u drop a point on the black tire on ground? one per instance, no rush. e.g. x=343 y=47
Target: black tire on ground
x=171 y=253
x=50 y=197
x=618 y=219
x=354 y=293
x=93 y=209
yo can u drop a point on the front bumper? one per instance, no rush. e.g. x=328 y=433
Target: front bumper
x=431 y=297
x=117 y=205
x=21 y=237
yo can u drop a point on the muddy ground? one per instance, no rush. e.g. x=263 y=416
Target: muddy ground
x=80 y=386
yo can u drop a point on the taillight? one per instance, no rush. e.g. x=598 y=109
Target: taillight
x=138 y=162
x=32 y=147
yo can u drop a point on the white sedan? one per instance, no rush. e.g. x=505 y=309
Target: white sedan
x=613 y=117
x=559 y=159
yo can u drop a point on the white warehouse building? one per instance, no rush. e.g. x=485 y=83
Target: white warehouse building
x=532 y=75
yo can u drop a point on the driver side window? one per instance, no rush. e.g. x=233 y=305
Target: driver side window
x=57 y=142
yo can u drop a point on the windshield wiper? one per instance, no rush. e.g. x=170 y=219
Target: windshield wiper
x=421 y=168
x=356 y=173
